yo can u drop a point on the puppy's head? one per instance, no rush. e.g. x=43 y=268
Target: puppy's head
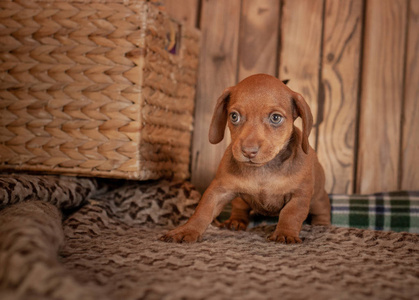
x=260 y=112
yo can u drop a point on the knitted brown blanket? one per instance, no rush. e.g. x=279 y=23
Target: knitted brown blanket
x=109 y=250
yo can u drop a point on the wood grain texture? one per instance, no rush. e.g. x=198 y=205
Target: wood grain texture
x=301 y=32
x=410 y=145
x=340 y=80
x=185 y=11
x=218 y=67
x=381 y=98
x=258 y=37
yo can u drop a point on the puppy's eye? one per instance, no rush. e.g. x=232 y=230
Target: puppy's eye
x=275 y=118
x=235 y=117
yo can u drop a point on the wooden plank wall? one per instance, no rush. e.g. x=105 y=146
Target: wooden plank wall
x=356 y=62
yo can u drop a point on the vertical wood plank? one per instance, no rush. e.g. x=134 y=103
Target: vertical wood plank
x=410 y=146
x=340 y=80
x=185 y=11
x=381 y=96
x=218 y=67
x=258 y=37
x=301 y=32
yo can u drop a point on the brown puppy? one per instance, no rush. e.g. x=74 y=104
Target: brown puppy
x=269 y=167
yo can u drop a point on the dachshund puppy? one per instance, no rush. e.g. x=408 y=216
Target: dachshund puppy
x=269 y=167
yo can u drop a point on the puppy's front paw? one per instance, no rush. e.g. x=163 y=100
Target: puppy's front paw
x=284 y=238
x=180 y=235
x=235 y=224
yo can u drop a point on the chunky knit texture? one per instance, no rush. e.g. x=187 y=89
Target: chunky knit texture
x=109 y=249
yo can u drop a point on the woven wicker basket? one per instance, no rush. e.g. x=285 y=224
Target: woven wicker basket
x=95 y=88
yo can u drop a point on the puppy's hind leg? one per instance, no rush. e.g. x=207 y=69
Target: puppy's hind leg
x=320 y=209
x=239 y=218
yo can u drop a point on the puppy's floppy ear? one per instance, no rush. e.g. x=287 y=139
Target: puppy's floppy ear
x=301 y=109
x=219 y=118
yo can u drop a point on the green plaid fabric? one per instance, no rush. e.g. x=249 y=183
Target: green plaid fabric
x=396 y=211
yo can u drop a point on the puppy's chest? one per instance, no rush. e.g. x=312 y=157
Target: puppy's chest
x=265 y=202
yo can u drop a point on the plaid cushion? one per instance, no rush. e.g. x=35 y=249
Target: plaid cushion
x=396 y=211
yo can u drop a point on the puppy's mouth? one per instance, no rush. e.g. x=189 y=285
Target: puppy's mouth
x=252 y=163
x=249 y=162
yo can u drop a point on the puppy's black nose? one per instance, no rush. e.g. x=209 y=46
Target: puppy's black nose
x=250 y=152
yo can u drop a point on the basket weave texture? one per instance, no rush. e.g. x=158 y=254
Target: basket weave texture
x=91 y=88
